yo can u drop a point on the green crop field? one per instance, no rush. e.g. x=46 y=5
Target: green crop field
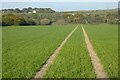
x=73 y=60
x=104 y=38
x=25 y=49
x=0 y=52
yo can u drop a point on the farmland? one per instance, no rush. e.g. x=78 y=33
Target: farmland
x=105 y=42
x=25 y=49
x=0 y=52
x=47 y=40
x=73 y=60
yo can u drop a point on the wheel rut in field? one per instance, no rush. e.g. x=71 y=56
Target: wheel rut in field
x=51 y=59
x=98 y=67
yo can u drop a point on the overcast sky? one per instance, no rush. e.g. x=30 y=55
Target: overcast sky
x=62 y=6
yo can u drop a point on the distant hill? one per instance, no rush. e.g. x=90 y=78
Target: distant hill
x=105 y=11
x=35 y=16
x=49 y=10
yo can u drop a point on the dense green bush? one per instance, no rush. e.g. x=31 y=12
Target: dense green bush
x=30 y=22
x=0 y=23
x=45 y=21
x=113 y=21
x=7 y=20
x=60 y=22
x=47 y=17
x=11 y=19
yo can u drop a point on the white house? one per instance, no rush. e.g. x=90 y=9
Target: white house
x=29 y=12
x=73 y=14
x=34 y=11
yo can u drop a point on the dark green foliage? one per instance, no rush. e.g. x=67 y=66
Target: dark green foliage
x=29 y=9
x=25 y=10
x=74 y=18
x=0 y=23
x=44 y=10
x=30 y=22
x=11 y=19
x=113 y=21
x=17 y=10
x=60 y=22
x=6 y=20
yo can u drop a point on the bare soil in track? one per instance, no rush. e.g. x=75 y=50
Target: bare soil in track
x=51 y=59
x=98 y=67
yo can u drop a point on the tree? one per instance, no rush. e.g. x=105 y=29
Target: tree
x=30 y=22
x=17 y=10
x=6 y=20
x=61 y=22
x=25 y=10
x=90 y=18
x=113 y=21
x=99 y=19
x=11 y=19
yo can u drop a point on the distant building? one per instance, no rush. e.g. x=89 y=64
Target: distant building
x=34 y=11
x=29 y=12
x=73 y=14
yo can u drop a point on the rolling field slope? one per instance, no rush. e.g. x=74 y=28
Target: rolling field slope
x=25 y=49
x=0 y=52
x=104 y=39
x=73 y=60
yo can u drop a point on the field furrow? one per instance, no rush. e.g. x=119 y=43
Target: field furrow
x=25 y=49
x=98 y=67
x=73 y=60
x=104 y=38
x=51 y=59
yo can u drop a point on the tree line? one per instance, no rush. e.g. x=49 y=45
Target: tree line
x=47 y=16
x=27 y=10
